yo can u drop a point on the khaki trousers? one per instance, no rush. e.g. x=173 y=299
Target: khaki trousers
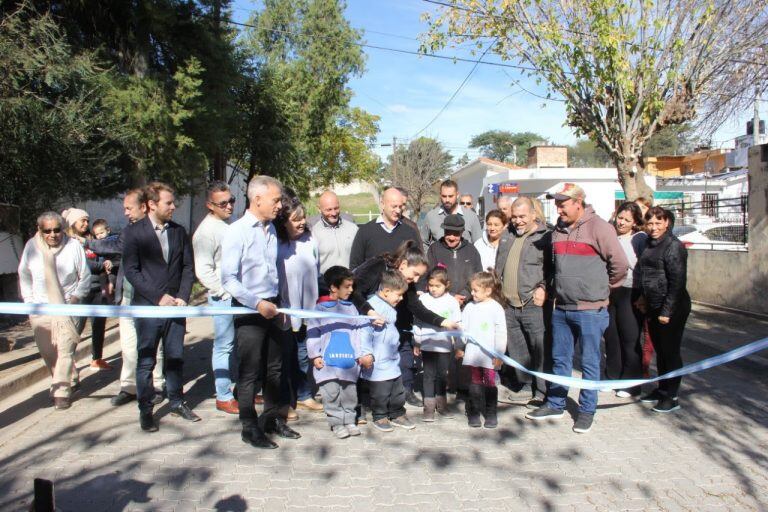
x=60 y=360
x=128 y=340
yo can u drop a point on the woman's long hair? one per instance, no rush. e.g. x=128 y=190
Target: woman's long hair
x=633 y=210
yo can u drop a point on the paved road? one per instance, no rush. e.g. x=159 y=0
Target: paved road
x=711 y=455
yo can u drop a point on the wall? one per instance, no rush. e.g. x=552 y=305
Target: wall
x=738 y=279
x=548 y=156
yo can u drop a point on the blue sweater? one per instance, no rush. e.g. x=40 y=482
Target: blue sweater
x=384 y=343
x=319 y=332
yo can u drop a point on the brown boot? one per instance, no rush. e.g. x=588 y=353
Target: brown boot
x=442 y=407
x=429 y=410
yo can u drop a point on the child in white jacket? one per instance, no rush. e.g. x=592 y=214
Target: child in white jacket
x=436 y=350
x=483 y=319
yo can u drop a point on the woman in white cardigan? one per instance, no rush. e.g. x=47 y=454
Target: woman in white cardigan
x=53 y=270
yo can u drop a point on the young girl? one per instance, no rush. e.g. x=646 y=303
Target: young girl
x=436 y=351
x=484 y=320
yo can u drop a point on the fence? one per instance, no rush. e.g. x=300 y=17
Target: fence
x=712 y=223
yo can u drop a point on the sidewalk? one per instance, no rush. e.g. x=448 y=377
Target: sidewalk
x=711 y=455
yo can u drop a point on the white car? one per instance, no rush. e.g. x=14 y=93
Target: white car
x=715 y=236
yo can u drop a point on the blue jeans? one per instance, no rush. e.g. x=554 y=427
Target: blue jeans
x=303 y=391
x=224 y=357
x=568 y=328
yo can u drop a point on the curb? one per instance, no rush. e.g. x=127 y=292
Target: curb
x=34 y=371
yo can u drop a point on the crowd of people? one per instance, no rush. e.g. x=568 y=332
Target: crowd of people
x=515 y=285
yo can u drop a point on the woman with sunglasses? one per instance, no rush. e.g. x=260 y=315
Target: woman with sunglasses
x=53 y=270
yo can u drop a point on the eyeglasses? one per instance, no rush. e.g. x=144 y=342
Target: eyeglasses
x=51 y=230
x=466 y=203
x=224 y=204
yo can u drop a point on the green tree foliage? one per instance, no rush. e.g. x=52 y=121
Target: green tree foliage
x=57 y=138
x=506 y=146
x=417 y=168
x=624 y=69
x=670 y=140
x=300 y=127
x=586 y=153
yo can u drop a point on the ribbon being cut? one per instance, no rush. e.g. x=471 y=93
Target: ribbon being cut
x=109 y=311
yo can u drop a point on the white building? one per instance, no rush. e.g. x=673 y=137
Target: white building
x=489 y=180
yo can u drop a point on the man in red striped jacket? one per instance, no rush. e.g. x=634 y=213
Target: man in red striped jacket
x=588 y=262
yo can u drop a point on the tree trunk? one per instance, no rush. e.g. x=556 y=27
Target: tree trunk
x=632 y=179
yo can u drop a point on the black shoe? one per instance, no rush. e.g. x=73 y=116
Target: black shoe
x=652 y=397
x=474 y=421
x=122 y=398
x=183 y=411
x=413 y=400
x=491 y=422
x=159 y=397
x=256 y=438
x=667 y=405
x=544 y=413
x=583 y=423
x=147 y=422
x=283 y=430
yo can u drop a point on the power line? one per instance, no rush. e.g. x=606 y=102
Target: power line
x=458 y=89
x=384 y=48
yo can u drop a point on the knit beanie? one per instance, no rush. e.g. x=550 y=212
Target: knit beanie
x=72 y=215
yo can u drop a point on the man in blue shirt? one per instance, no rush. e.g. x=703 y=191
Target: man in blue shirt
x=249 y=275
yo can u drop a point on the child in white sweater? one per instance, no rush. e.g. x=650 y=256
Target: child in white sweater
x=435 y=350
x=484 y=320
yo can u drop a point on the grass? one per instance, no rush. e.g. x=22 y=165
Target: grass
x=354 y=203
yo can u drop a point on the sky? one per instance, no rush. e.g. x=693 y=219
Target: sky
x=408 y=91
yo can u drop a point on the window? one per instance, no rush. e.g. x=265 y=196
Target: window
x=709 y=204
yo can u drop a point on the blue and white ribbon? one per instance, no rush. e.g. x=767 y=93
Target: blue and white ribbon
x=111 y=311
x=605 y=385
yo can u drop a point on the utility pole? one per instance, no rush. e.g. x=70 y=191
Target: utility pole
x=394 y=158
x=756 y=119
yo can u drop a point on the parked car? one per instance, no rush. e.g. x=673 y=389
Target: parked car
x=716 y=236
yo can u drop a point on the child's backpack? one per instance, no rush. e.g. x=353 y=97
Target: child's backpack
x=339 y=352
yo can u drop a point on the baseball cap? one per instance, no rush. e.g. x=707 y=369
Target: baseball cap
x=568 y=191
x=453 y=222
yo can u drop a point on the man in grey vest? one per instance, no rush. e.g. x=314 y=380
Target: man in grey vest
x=431 y=228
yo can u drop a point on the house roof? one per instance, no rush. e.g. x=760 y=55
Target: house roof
x=496 y=162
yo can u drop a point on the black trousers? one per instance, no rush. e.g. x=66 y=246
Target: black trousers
x=623 y=351
x=387 y=398
x=483 y=401
x=409 y=364
x=667 y=340
x=435 y=373
x=98 y=324
x=526 y=344
x=150 y=331
x=259 y=348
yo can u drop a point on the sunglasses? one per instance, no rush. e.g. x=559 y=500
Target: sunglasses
x=51 y=230
x=467 y=203
x=224 y=204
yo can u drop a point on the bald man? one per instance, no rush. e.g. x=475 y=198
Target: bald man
x=332 y=232
x=504 y=203
x=385 y=233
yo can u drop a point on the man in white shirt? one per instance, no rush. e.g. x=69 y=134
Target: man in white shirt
x=206 y=243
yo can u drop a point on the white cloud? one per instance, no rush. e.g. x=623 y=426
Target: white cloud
x=398 y=108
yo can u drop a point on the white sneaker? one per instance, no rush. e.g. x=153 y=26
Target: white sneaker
x=623 y=394
x=341 y=431
x=353 y=430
